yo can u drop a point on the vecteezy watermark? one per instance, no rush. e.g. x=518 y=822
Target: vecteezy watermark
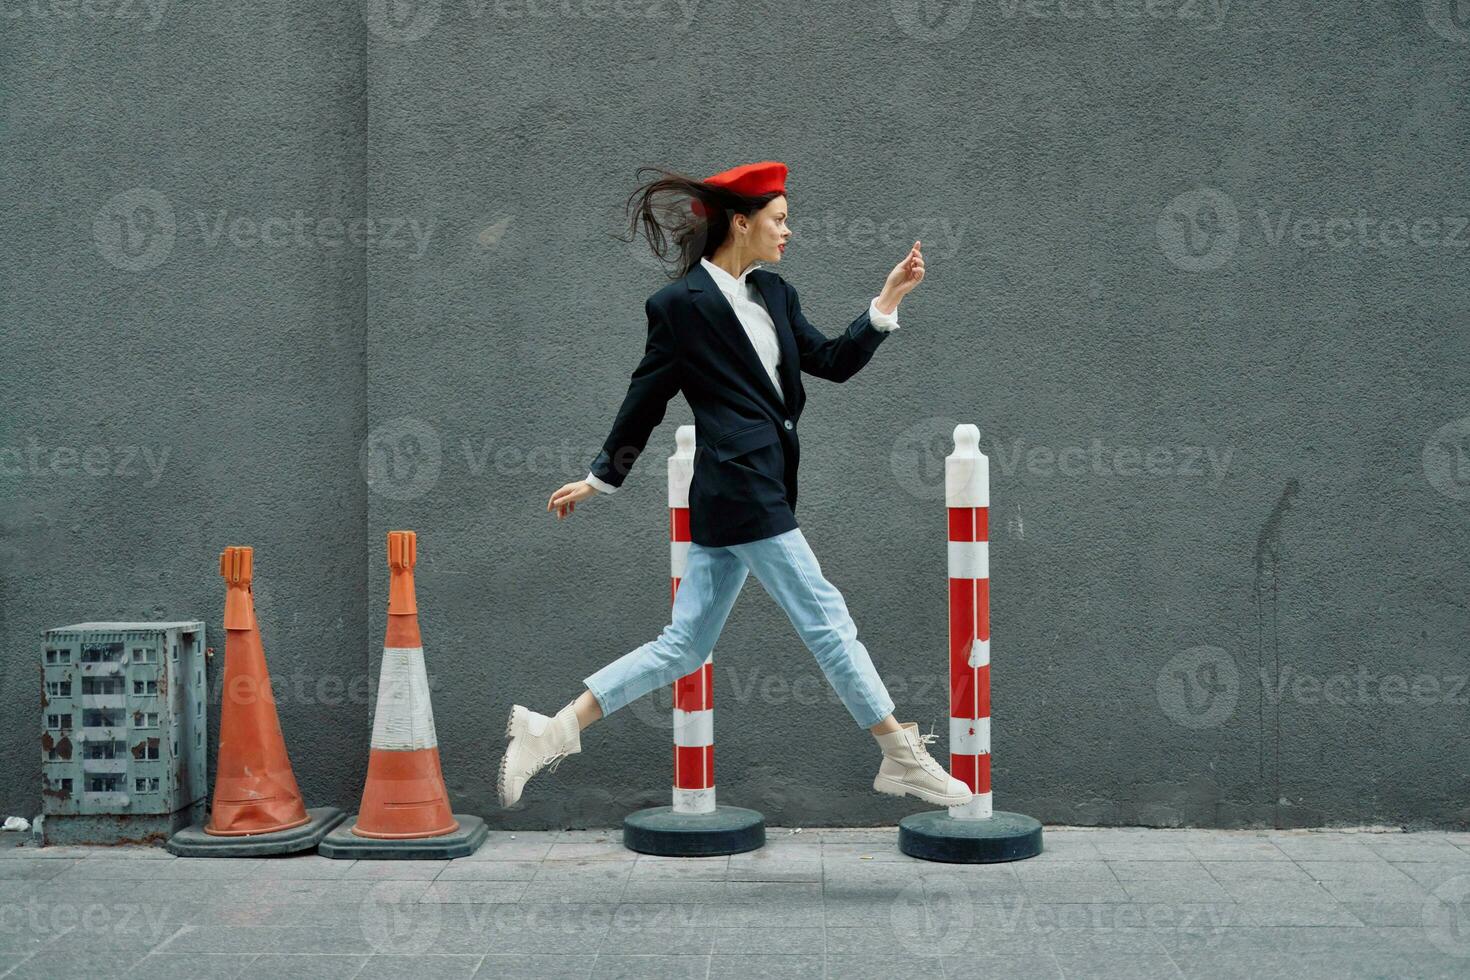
x=404 y=458
x=917 y=459
x=1450 y=19
x=306 y=689
x=927 y=20
x=1201 y=230
x=1364 y=687
x=97 y=461
x=1446 y=916
x=150 y=12
x=941 y=234
x=1447 y=459
x=672 y=15
x=1209 y=919
x=1200 y=687
x=1187 y=462
x=933 y=916
x=406 y=21
x=37 y=918
x=138 y=229
x=1207 y=14
x=400 y=21
x=135 y=230
x=411 y=917
x=741 y=684
x=395 y=922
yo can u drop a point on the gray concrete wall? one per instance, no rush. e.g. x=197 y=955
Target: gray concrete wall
x=1196 y=270
x=182 y=370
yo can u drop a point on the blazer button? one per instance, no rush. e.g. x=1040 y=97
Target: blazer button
x=788 y=423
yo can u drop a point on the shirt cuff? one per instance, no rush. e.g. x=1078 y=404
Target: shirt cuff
x=599 y=484
x=882 y=321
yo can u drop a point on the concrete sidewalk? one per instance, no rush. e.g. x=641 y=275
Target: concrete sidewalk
x=1128 y=903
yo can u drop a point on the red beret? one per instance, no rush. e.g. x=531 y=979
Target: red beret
x=751 y=179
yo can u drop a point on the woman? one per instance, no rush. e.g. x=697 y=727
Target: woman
x=732 y=338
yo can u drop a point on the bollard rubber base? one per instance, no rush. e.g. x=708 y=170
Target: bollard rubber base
x=728 y=830
x=194 y=842
x=936 y=836
x=462 y=842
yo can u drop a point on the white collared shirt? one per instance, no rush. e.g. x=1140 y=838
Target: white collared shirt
x=749 y=307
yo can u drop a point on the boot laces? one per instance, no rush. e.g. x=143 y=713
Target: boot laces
x=549 y=763
x=927 y=738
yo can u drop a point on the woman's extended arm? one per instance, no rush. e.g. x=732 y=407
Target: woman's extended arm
x=839 y=358
x=655 y=381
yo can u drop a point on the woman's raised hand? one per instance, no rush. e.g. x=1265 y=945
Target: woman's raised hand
x=564 y=501
x=904 y=277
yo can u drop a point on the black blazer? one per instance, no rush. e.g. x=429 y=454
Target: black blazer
x=746 y=447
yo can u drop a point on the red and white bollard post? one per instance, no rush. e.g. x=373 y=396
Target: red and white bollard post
x=695 y=825
x=967 y=502
x=973 y=832
x=694 y=693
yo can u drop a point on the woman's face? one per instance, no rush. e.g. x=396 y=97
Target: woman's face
x=767 y=233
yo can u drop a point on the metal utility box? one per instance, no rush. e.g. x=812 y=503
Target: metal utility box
x=123 y=732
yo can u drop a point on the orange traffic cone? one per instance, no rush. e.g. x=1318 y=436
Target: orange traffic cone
x=405 y=794
x=405 y=808
x=254 y=788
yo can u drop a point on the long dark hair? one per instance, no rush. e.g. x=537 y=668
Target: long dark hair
x=662 y=207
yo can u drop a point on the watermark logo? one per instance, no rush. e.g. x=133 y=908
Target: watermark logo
x=917 y=459
x=492 y=233
x=36 y=920
x=106 y=11
x=933 y=20
x=395 y=922
x=918 y=455
x=1209 y=14
x=933 y=916
x=145 y=463
x=1446 y=916
x=135 y=230
x=402 y=458
x=138 y=230
x=656 y=708
x=1199 y=687
x=1450 y=19
x=673 y=18
x=1447 y=459
x=1208 y=920
x=400 y=21
x=1199 y=229
x=941 y=234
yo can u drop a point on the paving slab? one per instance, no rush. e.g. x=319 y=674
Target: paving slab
x=1098 y=902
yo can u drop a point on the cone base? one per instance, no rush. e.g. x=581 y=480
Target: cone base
x=358 y=831
x=342 y=843
x=660 y=830
x=196 y=841
x=936 y=836
x=254 y=832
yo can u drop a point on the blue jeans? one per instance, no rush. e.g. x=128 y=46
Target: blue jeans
x=713 y=577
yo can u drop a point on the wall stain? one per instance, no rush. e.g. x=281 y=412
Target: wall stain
x=1267 y=598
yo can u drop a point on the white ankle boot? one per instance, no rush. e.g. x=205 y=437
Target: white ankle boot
x=535 y=740
x=909 y=769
